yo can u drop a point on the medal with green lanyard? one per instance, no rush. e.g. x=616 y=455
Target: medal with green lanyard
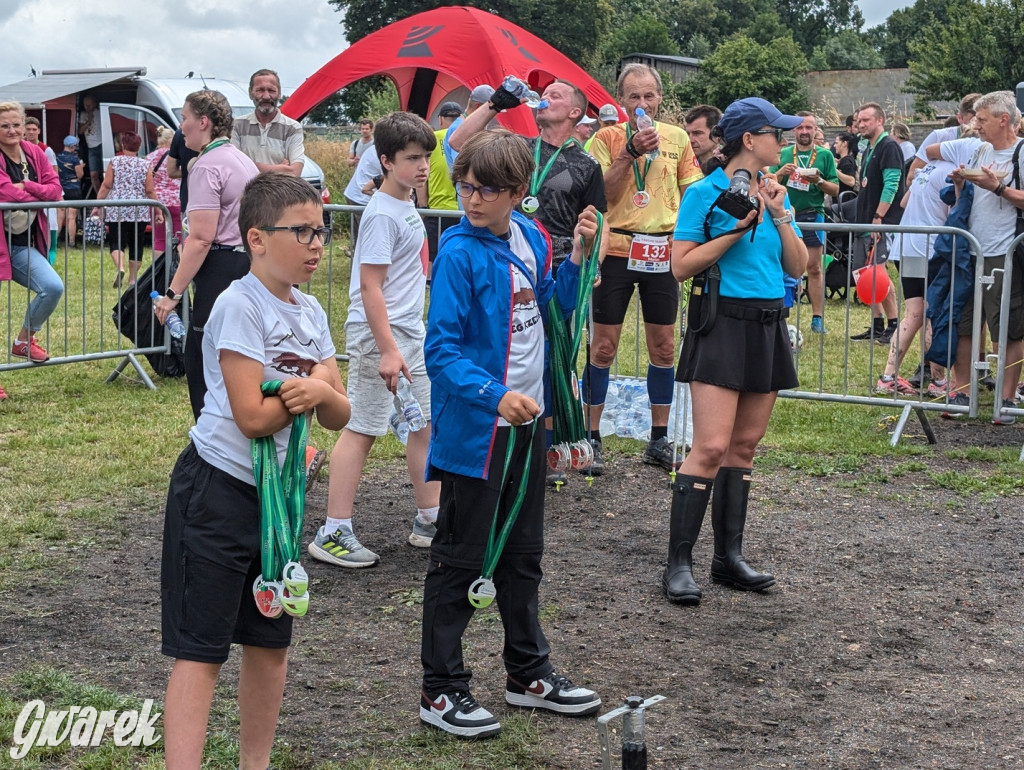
x=482 y=592
x=283 y=584
x=530 y=203
x=641 y=198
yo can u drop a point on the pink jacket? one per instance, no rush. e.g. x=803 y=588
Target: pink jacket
x=46 y=189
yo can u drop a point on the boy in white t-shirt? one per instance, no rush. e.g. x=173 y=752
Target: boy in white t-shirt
x=384 y=338
x=260 y=328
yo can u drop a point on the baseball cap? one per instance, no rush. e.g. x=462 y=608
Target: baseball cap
x=587 y=120
x=481 y=94
x=70 y=141
x=609 y=112
x=450 y=110
x=751 y=114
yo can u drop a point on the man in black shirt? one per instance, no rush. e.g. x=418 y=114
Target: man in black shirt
x=878 y=202
x=178 y=157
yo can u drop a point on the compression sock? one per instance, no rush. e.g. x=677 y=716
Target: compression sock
x=595 y=385
x=660 y=381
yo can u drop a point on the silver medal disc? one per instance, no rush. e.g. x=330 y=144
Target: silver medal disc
x=641 y=199
x=482 y=593
x=530 y=204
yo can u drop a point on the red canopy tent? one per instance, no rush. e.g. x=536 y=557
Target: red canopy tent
x=442 y=54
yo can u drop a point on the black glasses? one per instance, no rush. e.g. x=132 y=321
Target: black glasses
x=304 y=234
x=489 y=194
x=779 y=133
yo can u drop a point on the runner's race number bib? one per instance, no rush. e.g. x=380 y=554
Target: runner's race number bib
x=649 y=254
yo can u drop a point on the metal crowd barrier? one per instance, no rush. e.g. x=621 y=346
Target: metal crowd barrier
x=1002 y=360
x=80 y=328
x=853 y=384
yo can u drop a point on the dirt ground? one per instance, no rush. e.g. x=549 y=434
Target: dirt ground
x=893 y=638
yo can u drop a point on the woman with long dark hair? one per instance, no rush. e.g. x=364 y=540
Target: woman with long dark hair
x=736 y=238
x=213 y=255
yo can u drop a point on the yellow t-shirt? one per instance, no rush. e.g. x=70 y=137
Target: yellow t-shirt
x=673 y=169
x=440 y=190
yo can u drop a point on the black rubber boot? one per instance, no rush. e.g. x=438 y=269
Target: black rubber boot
x=690 y=495
x=728 y=517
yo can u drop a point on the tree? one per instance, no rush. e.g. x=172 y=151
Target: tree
x=814 y=22
x=980 y=48
x=847 y=50
x=330 y=112
x=892 y=39
x=741 y=67
x=646 y=34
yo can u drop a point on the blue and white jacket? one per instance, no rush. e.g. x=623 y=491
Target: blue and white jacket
x=469 y=330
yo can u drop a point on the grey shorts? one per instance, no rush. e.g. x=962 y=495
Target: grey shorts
x=868 y=251
x=991 y=298
x=371 y=400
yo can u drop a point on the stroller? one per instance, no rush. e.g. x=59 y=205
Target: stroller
x=838 y=249
x=133 y=316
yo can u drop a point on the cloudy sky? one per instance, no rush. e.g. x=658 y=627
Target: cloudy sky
x=173 y=37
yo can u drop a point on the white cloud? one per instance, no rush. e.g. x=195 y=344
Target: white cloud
x=170 y=37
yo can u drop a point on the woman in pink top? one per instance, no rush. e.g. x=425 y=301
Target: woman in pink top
x=167 y=189
x=212 y=256
x=26 y=177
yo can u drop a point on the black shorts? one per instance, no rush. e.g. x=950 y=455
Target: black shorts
x=659 y=294
x=72 y=195
x=738 y=354
x=211 y=558
x=913 y=288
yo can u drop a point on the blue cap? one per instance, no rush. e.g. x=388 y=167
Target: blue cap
x=70 y=141
x=753 y=113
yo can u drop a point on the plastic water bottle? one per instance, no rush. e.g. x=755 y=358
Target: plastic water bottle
x=408 y=407
x=643 y=120
x=521 y=90
x=399 y=426
x=173 y=322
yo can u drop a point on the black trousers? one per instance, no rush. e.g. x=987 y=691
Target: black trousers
x=456 y=558
x=219 y=269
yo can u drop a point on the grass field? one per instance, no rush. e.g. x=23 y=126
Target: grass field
x=79 y=452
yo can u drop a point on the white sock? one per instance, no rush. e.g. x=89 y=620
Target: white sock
x=427 y=515
x=333 y=525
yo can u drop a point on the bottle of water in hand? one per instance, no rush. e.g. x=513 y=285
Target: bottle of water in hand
x=521 y=90
x=173 y=322
x=643 y=120
x=408 y=407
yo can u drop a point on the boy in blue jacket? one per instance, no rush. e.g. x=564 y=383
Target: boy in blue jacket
x=485 y=355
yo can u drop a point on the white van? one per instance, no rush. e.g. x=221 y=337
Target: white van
x=128 y=101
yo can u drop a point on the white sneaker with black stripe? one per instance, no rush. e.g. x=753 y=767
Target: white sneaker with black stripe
x=555 y=693
x=458 y=713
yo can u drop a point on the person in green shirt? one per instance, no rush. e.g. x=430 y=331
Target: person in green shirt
x=809 y=174
x=440 y=190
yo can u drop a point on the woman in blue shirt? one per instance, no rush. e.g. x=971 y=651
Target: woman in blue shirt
x=736 y=353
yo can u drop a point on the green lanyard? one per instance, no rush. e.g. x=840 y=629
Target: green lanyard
x=641 y=179
x=538 y=178
x=869 y=152
x=214 y=145
x=811 y=156
x=482 y=593
x=282 y=494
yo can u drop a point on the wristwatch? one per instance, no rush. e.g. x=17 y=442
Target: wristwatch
x=785 y=219
x=171 y=295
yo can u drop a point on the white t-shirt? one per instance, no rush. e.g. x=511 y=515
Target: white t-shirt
x=287 y=338
x=993 y=219
x=938 y=136
x=89 y=124
x=525 y=371
x=392 y=233
x=367 y=168
x=924 y=207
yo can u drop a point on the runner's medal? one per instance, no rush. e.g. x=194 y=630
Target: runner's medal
x=530 y=204
x=641 y=199
x=482 y=593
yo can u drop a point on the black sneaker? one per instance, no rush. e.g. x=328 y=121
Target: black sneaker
x=660 y=453
x=920 y=377
x=597 y=465
x=885 y=336
x=866 y=334
x=989 y=382
x=458 y=713
x=555 y=693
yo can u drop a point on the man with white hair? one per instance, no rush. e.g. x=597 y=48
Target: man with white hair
x=990 y=161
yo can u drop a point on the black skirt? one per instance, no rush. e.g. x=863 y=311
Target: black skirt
x=739 y=354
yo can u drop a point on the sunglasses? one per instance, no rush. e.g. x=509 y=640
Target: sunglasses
x=779 y=133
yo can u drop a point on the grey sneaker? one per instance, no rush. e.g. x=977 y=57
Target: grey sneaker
x=1006 y=419
x=956 y=399
x=342 y=550
x=554 y=478
x=660 y=453
x=422 y=533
